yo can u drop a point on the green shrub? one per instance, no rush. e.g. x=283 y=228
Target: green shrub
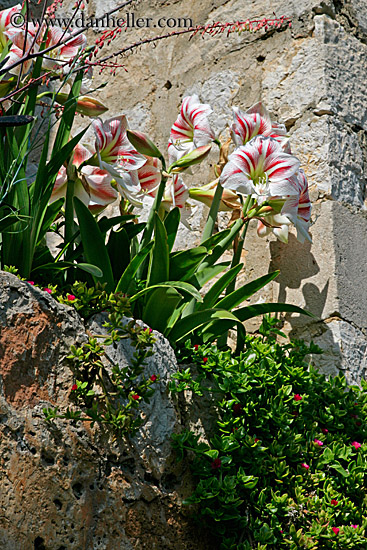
x=287 y=465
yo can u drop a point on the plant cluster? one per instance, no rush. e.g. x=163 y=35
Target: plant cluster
x=286 y=464
x=105 y=392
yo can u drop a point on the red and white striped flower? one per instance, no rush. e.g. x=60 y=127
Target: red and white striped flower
x=298 y=208
x=176 y=194
x=6 y=18
x=93 y=186
x=191 y=129
x=254 y=122
x=260 y=168
x=22 y=43
x=62 y=54
x=150 y=175
x=113 y=147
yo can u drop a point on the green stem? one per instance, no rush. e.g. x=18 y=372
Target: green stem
x=213 y=212
x=222 y=341
x=148 y=231
x=69 y=217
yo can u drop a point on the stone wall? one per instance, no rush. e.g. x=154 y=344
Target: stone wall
x=66 y=486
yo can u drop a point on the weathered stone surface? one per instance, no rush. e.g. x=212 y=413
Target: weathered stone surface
x=344 y=348
x=68 y=486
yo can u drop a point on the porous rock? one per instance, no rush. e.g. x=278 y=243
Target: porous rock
x=65 y=485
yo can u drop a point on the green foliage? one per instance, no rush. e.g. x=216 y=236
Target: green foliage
x=109 y=394
x=284 y=468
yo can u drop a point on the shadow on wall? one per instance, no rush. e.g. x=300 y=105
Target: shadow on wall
x=296 y=264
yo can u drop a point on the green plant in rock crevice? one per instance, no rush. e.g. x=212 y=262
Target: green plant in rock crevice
x=105 y=392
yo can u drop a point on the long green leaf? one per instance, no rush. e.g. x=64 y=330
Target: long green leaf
x=184 y=264
x=67 y=119
x=105 y=224
x=158 y=271
x=51 y=213
x=61 y=266
x=197 y=319
x=216 y=239
x=204 y=276
x=172 y=284
x=246 y=291
x=160 y=306
x=248 y=312
x=118 y=248
x=93 y=244
x=129 y=273
x=222 y=246
x=61 y=155
x=219 y=286
x=171 y=224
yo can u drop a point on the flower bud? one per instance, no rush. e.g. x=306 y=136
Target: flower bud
x=195 y=157
x=86 y=105
x=143 y=144
x=205 y=194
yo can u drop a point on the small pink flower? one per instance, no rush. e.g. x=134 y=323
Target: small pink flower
x=153 y=378
x=356 y=445
x=336 y=530
x=305 y=466
x=30 y=282
x=71 y=297
x=354 y=526
x=325 y=430
x=74 y=387
x=48 y=290
x=216 y=464
x=297 y=397
x=334 y=502
x=205 y=360
x=318 y=442
x=281 y=530
x=136 y=397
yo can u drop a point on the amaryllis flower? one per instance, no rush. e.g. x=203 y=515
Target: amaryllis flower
x=62 y=54
x=298 y=208
x=176 y=193
x=150 y=175
x=6 y=18
x=112 y=146
x=191 y=129
x=91 y=185
x=260 y=168
x=256 y=121
x=277 y=224
x=22 y=43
